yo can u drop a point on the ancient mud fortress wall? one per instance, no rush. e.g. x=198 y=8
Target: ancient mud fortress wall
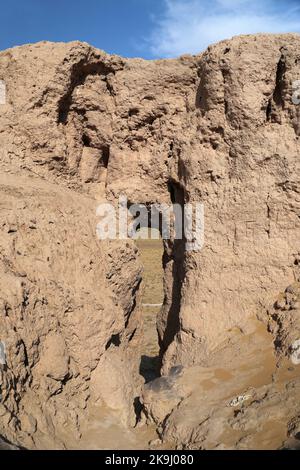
x=81 y=127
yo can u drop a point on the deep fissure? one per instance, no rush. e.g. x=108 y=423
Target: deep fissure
x=164 y=272
x=174 y=264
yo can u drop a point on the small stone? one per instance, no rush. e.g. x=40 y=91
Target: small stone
x=280 y=304
x=155 y=443
x=295 y=352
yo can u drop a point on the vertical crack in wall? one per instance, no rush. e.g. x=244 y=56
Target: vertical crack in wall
x=276 y=102
x=174 y=257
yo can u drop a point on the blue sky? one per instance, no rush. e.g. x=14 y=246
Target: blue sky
x=144 y=28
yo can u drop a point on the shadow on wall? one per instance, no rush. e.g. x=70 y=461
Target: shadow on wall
x=174 y=267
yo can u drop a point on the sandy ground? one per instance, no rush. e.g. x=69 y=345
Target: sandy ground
x=151 y=252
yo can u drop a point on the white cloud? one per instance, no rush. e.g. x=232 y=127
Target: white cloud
x=232 y=3
x=189 y=26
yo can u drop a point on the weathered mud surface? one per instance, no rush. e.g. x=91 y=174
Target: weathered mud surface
x=81 y=127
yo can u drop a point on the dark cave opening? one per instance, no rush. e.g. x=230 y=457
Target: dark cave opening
x=86 y=140
x=105 y=156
